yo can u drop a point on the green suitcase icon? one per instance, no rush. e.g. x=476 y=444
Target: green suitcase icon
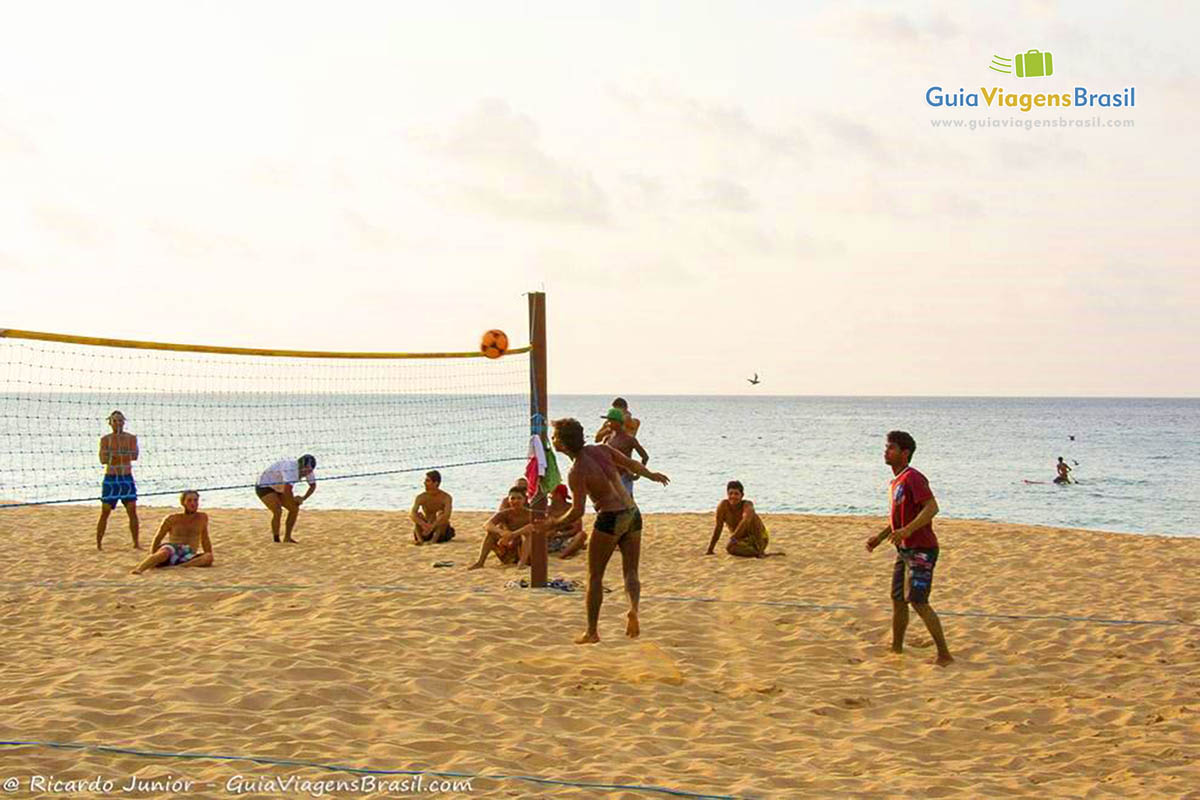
x=1034 y=64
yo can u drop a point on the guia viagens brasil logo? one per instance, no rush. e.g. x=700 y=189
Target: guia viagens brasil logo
x=1028 y=64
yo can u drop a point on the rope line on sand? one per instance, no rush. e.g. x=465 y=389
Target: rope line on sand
x=286 y=762
x=297 y=587
x=981 y=614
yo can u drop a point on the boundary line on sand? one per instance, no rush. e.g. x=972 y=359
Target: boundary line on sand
x=296 y=587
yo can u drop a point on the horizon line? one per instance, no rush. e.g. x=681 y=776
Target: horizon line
x=911 y=396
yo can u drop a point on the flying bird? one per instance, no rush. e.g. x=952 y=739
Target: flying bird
x=754 y=381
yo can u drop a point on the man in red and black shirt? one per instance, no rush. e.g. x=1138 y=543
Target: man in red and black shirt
x=911 y=530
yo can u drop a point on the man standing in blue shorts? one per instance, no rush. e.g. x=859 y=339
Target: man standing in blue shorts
x=913 y=508
x=118 y=451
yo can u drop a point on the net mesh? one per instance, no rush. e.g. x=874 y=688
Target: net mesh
x=215 y=422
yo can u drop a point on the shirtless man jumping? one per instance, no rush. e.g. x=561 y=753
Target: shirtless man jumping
x=430 y=512
x=118 y=451
x=595 y=474
x=619 y=438
x=187 y=543
x=631 y=423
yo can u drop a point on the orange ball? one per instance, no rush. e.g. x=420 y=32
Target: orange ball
x=494 y=344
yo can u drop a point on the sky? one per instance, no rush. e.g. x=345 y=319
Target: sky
x=703 y=190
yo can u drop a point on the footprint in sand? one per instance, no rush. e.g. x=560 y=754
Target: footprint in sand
x=653 y=666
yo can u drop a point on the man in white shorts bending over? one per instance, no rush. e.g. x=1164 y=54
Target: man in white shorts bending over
x=274 y=488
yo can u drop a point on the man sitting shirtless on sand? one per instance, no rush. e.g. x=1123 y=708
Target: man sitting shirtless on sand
x=567 y=541
x=504 y=532
x=571 y=538
x=431 y=512
x=749 y=538
x=187 y=542
x=595 y=473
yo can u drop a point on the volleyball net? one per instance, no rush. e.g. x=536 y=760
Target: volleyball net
x=214 y=418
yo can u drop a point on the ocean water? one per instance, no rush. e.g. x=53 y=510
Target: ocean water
x=1137 y=461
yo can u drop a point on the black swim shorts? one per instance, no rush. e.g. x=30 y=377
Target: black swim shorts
x=447 y=535
x=619 y=523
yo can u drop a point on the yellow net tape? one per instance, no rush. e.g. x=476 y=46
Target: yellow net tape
x=13 y=333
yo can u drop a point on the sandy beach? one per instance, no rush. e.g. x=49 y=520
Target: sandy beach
x=767 y=678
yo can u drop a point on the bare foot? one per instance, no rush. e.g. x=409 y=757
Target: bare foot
x=135 y=571
x=290 y=540
x=590 y=637
x=944 y=660
x=632 y=628
x=276 y=537
x=477 y=565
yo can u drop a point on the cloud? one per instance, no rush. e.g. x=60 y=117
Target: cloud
x=70 y=225
x=894 y=27
x=375 y=237
x=648 y=188
x=728 y=195
x=1027 y=153
x=272 y=174
x=953 y=204
x=9 y=263
x=15 y=142
x=502 y=170
x=891 y=199
x=782 y=248
x=182 y=242
x=726 y=121
x=1182 y=79
x=857 y=137
x=889 y=26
